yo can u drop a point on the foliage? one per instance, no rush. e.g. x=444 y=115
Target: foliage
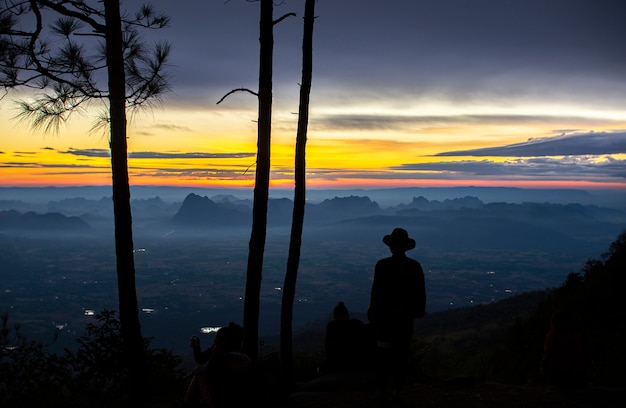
x=95 y=375
x=66 y=59
x=593 y=299
x=97 y=366
x=27 y=371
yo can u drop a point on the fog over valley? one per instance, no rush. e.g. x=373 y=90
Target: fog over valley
x=477 y=245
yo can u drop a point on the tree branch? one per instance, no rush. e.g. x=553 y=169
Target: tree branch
x=237 y=90
x=283 y=17
x=70 y=13
x=48 y=71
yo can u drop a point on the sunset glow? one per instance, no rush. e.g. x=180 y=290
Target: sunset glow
x=179 y=148
x=384 y=112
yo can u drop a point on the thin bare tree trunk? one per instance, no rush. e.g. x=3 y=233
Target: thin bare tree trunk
x=297 y=223
x=261 y=186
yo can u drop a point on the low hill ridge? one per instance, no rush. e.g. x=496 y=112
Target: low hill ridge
x=49 y=222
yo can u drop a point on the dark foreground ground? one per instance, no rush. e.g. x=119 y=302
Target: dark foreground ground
x=357 y=390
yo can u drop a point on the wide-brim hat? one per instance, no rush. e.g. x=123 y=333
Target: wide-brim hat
x=399 y=239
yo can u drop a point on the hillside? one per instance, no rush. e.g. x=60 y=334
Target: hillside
x=438 y=324
x=455 y=336
x=482 y=356
x=489 y=355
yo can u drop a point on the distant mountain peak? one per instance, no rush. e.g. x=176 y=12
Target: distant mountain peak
x=350 y=201
x=201 y=210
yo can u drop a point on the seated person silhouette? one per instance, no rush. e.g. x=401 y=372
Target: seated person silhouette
x=345 y=342
x=224 y=378
x=564 y=362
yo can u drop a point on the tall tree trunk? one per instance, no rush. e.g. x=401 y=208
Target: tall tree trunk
x=261 y=186
x=297 y=223
x=129 y=312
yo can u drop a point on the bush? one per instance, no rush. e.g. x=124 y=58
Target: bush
x=94 y=376
x=29 y=375
x=593 y=299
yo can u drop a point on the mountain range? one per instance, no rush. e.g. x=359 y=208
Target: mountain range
x=461 y=222
x=456 y=223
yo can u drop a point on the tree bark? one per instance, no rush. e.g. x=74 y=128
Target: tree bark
x=297 y=223
x=261 y=186
x=129 y=313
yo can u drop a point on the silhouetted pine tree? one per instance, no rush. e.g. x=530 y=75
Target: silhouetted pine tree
x=68 y=75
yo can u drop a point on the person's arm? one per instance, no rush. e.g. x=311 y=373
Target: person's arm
x=199 y=356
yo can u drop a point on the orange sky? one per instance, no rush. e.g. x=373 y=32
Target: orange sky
x=186 y=148
x=394 y=103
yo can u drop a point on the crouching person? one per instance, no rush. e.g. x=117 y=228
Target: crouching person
x=225 y=379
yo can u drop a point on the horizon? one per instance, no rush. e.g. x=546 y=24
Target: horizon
x=385 y=197
x=523 y=185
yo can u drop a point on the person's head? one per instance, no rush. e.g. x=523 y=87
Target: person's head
x=230 y=338
x=341 y=312
x=398 y=241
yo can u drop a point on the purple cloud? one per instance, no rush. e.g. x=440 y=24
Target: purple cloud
x=564 y=145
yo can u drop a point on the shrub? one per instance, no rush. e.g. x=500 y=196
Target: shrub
x=29 y=374
x=95 y=375
x=593 y=299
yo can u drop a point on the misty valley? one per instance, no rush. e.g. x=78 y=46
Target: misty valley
x=58 y=260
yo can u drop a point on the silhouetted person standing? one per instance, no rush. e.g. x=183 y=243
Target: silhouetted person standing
x=398 y=297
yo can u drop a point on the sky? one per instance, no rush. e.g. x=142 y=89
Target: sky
x=419 y=93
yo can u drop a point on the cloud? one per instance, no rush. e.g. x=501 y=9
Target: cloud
x=194 y=173
x=160 y=127
x=189 y=155
x=88 y=152
x=34 y=165
x=160 y=155
x=166 y=126
x=533 y=168
x=564 y=145
x=397 y=122
x=410 y=47
x=362 y=122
